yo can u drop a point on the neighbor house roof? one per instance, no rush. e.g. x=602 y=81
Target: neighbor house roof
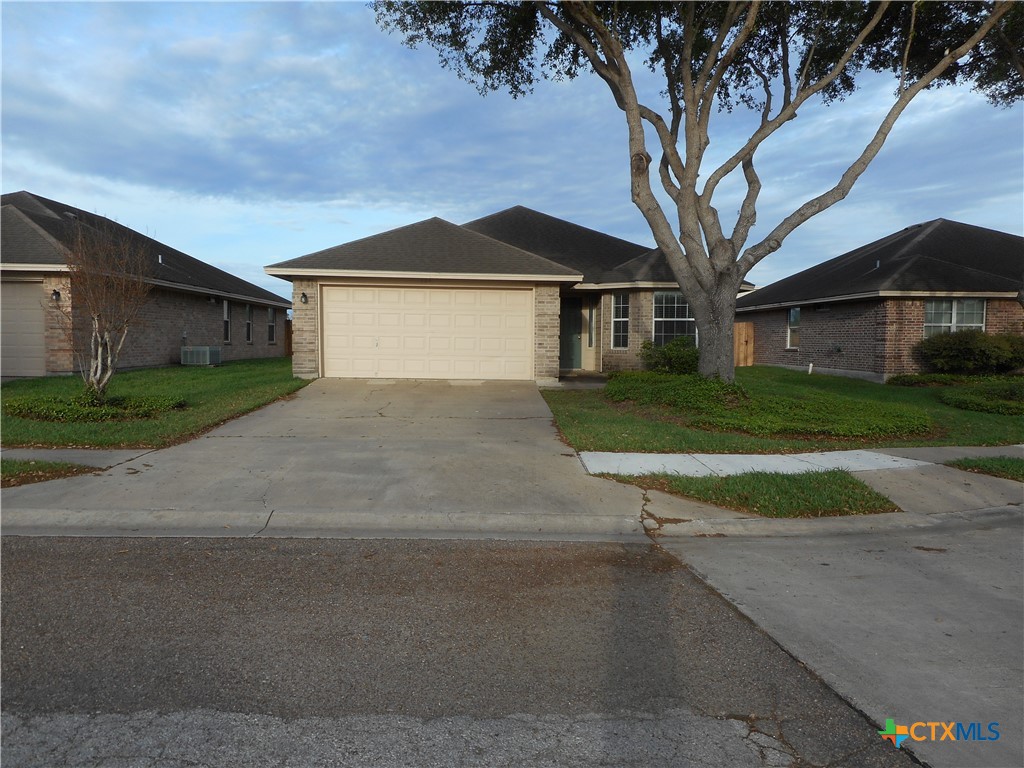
x=36 y=231
x=934 y=258
x=589 y=252
x=434 y=246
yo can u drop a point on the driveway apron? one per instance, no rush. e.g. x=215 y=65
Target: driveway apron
x=353 y=457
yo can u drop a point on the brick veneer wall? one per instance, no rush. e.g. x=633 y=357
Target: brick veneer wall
x=641 y=321
x=59 y=355
x=168 y=321
x=171 y=320
x=305 y=330
x=838 y=337
x=546 y=330
x=870 y=339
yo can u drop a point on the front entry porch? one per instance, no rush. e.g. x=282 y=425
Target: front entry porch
x=578 y=343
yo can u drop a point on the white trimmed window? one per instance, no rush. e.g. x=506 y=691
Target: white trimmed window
x=672 y=318
x=793 y=329
x=227 y=321
x=620 y=321
x=950 y=315
x=271 y=325
x=248 y=323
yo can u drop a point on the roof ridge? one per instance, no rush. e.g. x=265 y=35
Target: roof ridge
x=535 y=212
x=546 y=260
x=927 y=228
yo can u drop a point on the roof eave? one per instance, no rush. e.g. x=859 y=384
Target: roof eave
x=63 y=268
x=289 y=274
x=248 y=299
x=31 y=267
x=626 y=285
x=880 y=295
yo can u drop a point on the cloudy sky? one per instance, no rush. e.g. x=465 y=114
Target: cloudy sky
x=249 y=133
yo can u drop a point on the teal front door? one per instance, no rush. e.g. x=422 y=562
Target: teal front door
x=571 y=345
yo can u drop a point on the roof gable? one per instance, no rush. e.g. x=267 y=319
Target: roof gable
x=939 y=256
x=40 y=227
x=433 y=246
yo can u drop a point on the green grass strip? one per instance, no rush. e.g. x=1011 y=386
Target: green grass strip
x=829 y=493
x=998 y=466
x=23 y=471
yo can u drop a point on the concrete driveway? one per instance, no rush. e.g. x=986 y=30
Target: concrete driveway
x=354 y=457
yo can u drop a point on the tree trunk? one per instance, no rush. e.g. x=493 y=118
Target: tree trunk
x=715 y=317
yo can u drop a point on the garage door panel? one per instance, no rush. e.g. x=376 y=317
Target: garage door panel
x=23 y=321
x=428 y=332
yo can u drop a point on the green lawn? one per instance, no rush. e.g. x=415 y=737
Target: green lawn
x=22 y=471
x=1009 y=467
x=770 y=494
x=212 y=396
x=784 y=412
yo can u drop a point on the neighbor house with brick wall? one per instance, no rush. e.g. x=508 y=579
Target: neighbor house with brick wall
x=517 y=295
x=861 y=314
x=191 y=303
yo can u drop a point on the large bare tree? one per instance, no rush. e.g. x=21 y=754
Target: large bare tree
x=776 y=58
x=109 y=273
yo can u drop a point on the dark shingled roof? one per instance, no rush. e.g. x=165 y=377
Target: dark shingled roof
x=587 y=251
x=34 y=229
x=938 y=256
x=434 y=245
x=650 y=267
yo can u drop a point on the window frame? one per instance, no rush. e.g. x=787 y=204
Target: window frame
x=620 y=319
x=957 y=309
x=271 y=325
x=655 y=320
x=249 y=313
x=791 y=327
x=227 y=322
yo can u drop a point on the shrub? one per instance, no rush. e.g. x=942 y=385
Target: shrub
x=691 y=392
x=971 y=352
x=86 y=407
x=679 y=356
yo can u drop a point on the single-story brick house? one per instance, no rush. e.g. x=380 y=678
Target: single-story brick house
x=515 y=295
x=191 y=304
x=860 y=314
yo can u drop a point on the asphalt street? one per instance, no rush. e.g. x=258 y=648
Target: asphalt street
x=298 y=652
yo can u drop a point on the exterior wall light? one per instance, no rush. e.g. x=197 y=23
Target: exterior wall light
x=303 y=298
x=55 y=296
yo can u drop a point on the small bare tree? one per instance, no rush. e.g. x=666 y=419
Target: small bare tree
x=109 y=271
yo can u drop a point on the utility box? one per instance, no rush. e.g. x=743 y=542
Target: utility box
x=200 y=355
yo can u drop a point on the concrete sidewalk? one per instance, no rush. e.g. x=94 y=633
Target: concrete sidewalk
x=707 y=464
x=915 y=479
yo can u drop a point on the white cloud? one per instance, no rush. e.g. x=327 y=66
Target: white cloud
x=251 y=133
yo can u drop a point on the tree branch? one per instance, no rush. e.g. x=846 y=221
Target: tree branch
x=824 y=201
x=788 y=112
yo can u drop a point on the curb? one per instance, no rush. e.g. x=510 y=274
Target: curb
x=325 y=523
x=767 y=527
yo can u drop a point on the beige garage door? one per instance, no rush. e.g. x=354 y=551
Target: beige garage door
x=22 y=324
x=427 y=333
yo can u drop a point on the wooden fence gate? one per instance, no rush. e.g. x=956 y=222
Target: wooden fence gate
x=743 y=344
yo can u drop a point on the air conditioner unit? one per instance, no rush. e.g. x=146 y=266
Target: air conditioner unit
x=200 y=355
